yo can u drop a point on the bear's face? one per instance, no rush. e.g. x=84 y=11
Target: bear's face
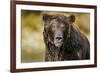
x=57 y=26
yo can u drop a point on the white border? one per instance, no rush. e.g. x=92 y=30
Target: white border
x=51 y=64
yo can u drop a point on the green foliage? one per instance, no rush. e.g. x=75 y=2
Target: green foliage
x=32 y=38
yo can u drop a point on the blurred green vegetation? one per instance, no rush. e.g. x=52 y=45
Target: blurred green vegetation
x=32 y=39
x=32 y=46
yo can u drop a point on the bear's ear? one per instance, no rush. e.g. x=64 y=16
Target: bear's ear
x=45 y=17
x=72 y=18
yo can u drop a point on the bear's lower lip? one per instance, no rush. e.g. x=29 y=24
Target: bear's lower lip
x=58 y=44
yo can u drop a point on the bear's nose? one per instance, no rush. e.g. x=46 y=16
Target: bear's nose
x=58 y=38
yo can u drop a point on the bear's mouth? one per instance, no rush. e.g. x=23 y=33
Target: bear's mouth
x=58 y=43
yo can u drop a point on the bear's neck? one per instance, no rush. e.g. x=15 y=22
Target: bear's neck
x=53 y=53
x=71 y=42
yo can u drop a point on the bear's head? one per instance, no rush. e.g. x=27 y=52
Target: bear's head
x=57 y=28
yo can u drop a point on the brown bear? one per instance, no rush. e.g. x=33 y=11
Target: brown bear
x=63 y=40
